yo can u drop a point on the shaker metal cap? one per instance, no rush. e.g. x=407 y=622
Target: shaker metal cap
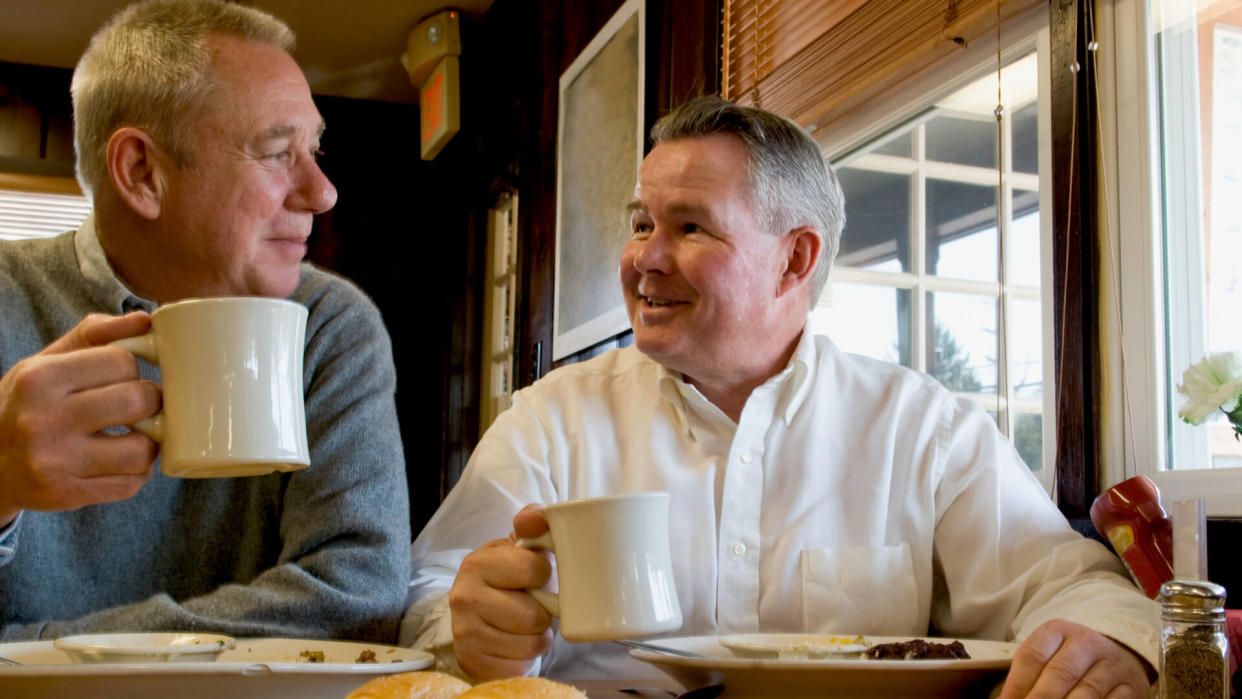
x=1193 y=595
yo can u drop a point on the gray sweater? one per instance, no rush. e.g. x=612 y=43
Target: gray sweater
x=321 y=552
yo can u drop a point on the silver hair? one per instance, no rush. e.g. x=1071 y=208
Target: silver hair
x=791 y=184
x=149 y=68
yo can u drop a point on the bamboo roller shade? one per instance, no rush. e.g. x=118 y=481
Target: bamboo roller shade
x=808 y=59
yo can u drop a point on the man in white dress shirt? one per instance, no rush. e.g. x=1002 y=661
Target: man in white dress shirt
x=812 y=490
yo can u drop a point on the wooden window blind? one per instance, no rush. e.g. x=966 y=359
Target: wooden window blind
x=809 y=59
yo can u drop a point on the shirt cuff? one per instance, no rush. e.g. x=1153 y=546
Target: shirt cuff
x=8 y=539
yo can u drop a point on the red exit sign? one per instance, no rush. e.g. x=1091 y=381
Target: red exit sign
x=439 y=107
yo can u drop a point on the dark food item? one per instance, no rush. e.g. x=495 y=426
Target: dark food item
x=366 y=656
x=312 y=656
x=917 y=649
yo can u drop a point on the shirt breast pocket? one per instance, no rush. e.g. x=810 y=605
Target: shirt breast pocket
x=860 y=589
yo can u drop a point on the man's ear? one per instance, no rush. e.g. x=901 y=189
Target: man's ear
x=803 y=246
x=135 y=167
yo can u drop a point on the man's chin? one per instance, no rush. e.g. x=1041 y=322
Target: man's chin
x=658 y=349
x=279 y=287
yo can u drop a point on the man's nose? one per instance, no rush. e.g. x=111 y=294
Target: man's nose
x=315 y=193
x=654 y=253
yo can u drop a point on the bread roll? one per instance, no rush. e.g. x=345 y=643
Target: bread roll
x=523 y=687
x=411 y=685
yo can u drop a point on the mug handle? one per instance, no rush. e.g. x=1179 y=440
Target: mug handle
x=547 y=600
x=143 y=346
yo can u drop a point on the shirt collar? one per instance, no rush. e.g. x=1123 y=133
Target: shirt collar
x=107 y=288
x=794 y=381
x=800 y=374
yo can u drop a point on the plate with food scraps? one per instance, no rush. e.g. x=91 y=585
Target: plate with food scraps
x=257 y=668
x=839 y=676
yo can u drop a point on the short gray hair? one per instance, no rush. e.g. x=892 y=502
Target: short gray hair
x=148 y=68
x=791 y=184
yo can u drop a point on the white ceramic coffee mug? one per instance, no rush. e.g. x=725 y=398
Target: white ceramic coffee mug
x=613 y=569
x=231 y=375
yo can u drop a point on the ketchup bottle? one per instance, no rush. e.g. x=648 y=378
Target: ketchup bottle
x=1129 y=515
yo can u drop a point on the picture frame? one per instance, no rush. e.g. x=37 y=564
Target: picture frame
x=600 y=138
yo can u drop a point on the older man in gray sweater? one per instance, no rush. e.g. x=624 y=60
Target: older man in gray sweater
x=196 y=137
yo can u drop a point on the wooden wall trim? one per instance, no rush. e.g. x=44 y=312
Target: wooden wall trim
x=1075 y=260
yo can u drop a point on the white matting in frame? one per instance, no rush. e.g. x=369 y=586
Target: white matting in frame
x=599 y=140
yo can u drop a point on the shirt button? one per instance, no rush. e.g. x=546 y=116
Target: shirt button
x=745 y=457
x=739 y=549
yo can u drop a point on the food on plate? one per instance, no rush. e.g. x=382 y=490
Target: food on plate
x=366 y=656
x=312 y=656
x=425 y=684
x=795 y=646
x=917 y=649
x=523 y=687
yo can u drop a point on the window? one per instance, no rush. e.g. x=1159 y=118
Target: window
x=1178 y=201
x=499 y=304
x=39 y=207
x=930 y=212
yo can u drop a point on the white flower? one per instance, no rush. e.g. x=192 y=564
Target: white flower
x=1215 y=383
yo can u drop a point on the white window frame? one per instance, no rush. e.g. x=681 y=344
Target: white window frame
x=1136 y=401
x=499 y=310
x=1019 y=36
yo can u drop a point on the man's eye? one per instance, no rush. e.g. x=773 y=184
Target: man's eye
x=691 y=228
x=278 y=156
x=316 y=154
x=641 y=227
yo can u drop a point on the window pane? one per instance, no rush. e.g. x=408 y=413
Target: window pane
x=1200 y=76
x=964 y=141
x=1023 y=251
x=1028 y=437
x=1026 y=349
x=961 y=230
x=899 y=146
x=961 y=336
x=1025 y=128
x=865 y=319
x=877 y=220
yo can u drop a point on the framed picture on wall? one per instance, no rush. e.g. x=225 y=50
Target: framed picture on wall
x=599 y=147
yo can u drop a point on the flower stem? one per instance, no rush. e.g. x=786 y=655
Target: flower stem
x=1235 y=421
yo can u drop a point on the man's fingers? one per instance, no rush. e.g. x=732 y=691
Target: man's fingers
x=112 y=488
x=508 y=567
x=119 y=455
x=1028 y=662
x=1064 y=659
x=41 y=379
x=98 y=329
x=113 y=404
x=512 y=612
x=503 y=642
x=530 y=522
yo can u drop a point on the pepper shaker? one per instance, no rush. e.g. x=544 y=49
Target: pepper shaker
x=1194 y=653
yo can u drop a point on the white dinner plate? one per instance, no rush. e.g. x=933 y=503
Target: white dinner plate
x=836 y=678
x=263 y=668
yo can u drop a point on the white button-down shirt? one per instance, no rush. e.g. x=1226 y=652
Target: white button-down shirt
x=852 y=496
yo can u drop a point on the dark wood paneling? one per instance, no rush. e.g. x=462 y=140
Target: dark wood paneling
x=1075 y=262
x=36 y=120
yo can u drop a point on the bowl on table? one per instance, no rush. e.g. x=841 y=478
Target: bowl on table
x=144 y=647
